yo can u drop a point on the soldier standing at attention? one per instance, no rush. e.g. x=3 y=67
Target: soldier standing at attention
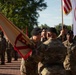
x=70 y=60
x=52 y=55
x=15 y=54
x=2 y=48
x=29 y=66
x=9 y=49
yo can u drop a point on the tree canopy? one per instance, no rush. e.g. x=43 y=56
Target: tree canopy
x=22 y=12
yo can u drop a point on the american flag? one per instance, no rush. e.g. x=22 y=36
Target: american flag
x=67 y=6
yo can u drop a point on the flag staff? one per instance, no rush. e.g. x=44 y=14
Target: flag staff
x=62 y=12
x=62 y=18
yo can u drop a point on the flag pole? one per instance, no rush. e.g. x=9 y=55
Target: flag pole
x=62 y=12
x=62 y=18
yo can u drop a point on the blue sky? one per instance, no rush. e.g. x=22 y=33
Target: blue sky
x=52 y=14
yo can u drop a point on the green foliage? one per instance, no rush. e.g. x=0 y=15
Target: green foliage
x=22 y=12
x=44 y=26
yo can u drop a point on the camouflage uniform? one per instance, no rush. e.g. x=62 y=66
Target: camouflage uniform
x=23 y=67
x=15 y=54
x=29 y=66
x=2 y=48
x=53 y=54
x=9 y=49
x=70 y=61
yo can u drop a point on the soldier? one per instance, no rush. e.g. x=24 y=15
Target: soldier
x=52 y=55
x=43 y=34
x=29 y=66
x=2 y=47
x=9 y=49
x=70 y=60
x=15 y=55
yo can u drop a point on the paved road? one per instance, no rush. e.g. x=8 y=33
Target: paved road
x=12 y=68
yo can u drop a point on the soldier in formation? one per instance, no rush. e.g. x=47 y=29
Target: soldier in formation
x=70 y=60
x=9 y=49
x=14 y=54
x=2 y=47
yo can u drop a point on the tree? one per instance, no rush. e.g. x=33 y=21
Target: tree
x=44 y=26
x=22 y=12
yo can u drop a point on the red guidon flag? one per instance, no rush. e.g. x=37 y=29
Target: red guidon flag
x=67 y=6
x=18 y=39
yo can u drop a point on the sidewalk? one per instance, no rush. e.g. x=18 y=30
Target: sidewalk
x=12 y=68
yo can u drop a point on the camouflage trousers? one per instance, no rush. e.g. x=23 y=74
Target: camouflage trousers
x=2 y=56
x=28 y=68
x=71 y=72
x=70 y=68
x=54 y=70
x=23 y=67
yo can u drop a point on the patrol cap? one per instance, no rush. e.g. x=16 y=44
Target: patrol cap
x=36 y=31
x=70 y=32
x=52 y=29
